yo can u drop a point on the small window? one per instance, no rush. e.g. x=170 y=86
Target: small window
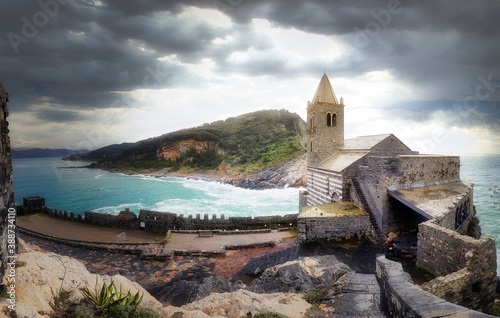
x=334 y=120
x=311 y=146
x=328 y=119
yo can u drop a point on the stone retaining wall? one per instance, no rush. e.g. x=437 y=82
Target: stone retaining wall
x=466 y=266
x=406 y=300
x=161 y=222
x=339 y=227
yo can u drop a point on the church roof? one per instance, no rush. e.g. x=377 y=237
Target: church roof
x=324 y=93
x=364 y=142
x=354 y=149
x=341 y=160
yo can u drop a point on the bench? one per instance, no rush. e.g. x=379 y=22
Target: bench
x=205 y=233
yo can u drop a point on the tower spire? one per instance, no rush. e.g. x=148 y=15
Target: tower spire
x=324 y=93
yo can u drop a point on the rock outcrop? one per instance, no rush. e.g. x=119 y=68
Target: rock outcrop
x=183 y=292
x=173 y=150
x=290 y=174
x=300 y=276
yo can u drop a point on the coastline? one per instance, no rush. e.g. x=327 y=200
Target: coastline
x=290 y=174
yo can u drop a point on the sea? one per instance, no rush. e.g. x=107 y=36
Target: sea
x=69 y=186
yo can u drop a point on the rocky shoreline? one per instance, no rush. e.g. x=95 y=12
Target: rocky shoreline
x=290 y=174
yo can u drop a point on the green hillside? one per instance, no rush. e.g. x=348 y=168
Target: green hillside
x=249 y=142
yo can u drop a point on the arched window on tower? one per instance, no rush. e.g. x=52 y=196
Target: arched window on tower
x=334 y=120
x=328 y=119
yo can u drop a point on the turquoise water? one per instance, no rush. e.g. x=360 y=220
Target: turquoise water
x=81 y=189
x=484 y=172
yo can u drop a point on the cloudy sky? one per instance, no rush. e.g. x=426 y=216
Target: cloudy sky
x=85 y=74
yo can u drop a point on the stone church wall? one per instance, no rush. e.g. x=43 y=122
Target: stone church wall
x=322 y=186
x=6 y=183
x=391 y=146
x=466 y=266
x=378 y=173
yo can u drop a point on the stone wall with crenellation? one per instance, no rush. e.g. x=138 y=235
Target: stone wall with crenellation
x=161 y=222
x=6 y=182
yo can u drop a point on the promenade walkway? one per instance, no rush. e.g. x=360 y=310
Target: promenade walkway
x=55 y=227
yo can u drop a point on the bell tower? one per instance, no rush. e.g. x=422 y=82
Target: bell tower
x=325 y=124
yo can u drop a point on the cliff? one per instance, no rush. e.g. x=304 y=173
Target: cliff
x=173 y=150
x=257 y=150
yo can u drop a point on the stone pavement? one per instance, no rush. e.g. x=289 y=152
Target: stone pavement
x=362 y=298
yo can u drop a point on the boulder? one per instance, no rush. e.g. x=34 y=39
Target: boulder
x=302 y=275
x=183 y=292
x=215 y=284
x=178 y=293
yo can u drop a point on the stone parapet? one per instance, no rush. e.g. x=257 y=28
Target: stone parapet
x=407 y=300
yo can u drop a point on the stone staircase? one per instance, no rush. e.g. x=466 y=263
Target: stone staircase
x=367 y=208
x=362 y=298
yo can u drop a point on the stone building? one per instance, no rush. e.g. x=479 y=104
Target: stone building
x=395 y=189
x=6 y=182
x=398 y=187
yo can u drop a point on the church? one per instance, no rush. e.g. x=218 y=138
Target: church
x=372 y=185
x=397 y=187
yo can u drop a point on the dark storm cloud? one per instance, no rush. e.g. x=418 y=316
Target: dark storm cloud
x=87 y=53
x=440 y=47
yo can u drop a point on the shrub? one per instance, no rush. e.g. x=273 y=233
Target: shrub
x=129 y=311
x=340 y=273
x=109 y=296
x=315 y=297
x=268 y=314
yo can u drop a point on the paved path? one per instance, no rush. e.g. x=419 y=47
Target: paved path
x=45 y=224
x=362 y=298
x=64 y=229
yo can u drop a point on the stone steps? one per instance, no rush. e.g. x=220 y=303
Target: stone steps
x=362 y=298
x=367 y=208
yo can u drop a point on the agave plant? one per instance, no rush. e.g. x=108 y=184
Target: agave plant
x=109 y=296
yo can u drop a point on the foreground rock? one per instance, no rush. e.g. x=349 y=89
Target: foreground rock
x=303 y=275
x=39 y=276
x=38 y=282
x=242 y=303
x=183 y=292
